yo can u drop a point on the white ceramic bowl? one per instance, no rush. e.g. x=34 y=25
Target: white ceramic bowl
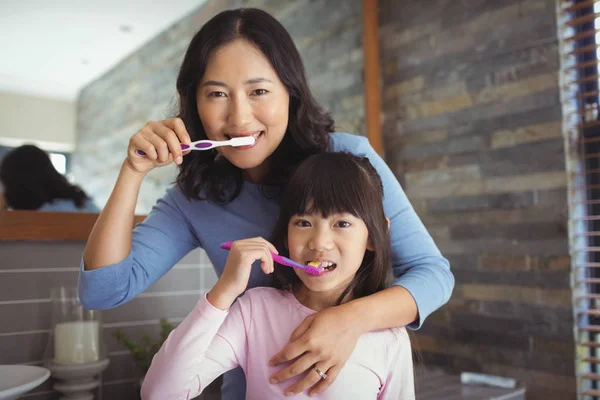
x=16 y=380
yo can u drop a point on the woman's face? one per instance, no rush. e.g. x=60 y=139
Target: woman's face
x=240 y=94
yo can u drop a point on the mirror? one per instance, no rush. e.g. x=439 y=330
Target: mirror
x=80 y=88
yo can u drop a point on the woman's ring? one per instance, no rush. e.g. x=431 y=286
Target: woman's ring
x=321 y=374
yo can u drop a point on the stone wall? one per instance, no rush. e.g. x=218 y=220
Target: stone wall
x=142 y=87
x=472 y=127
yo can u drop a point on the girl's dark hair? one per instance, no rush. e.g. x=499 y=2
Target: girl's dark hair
x=30 y=180
x=331 y=183
x=202 y=174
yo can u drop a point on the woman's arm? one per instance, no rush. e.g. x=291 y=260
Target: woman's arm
x=110 y=239
x=195 y=353
x=373 y=312
x=112 y=271
x=156 y=245
x=417 y=263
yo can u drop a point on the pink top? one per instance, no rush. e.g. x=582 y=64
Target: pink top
x=259 y=324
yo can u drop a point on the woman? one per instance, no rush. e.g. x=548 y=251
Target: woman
x=242 y=75
x=32 y=183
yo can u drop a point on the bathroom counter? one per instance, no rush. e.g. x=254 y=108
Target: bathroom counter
x=434 y=383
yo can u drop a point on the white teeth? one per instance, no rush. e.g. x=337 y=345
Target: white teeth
x=254 y=135
x=325 y=264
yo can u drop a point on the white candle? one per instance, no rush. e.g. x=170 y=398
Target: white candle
x=77 y=342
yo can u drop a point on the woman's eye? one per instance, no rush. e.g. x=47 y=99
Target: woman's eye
x=260 y=92
x=342 y=224
x=216 y=94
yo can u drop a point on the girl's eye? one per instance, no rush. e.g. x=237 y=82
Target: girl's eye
x=302 y=223
x=260 y=92
x=342 y=224
x=216 y=94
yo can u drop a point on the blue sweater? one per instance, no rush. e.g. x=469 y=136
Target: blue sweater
x=175 y=226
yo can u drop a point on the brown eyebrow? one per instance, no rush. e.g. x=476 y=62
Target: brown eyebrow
x=248 y=82
x=257 y=80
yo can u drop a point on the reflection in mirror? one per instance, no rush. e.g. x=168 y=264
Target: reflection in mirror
x=84 y=86
x=33 y=179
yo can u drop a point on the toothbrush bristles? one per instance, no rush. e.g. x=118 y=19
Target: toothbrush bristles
x=313 y=268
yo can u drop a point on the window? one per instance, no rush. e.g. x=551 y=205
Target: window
x=579 y=38
x=59 y=161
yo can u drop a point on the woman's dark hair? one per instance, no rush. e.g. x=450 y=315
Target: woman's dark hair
x=203 y=175
x=30 y=180
x=332 y=183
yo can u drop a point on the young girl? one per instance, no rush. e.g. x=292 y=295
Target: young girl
x=331 y=213
x=242 y=75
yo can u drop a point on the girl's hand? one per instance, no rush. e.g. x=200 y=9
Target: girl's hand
x=161 y=141
x=324 y=340
x=235 y=276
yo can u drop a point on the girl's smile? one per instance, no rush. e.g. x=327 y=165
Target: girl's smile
x=326 y=265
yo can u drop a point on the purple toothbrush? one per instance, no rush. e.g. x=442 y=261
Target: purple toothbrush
x=310 y=269
x=211 y=144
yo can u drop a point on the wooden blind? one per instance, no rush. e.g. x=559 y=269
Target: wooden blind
x=579 y=40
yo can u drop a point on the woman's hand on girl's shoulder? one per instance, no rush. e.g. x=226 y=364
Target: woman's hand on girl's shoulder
x=236 y=274
x=161 y=142
x=324 y=340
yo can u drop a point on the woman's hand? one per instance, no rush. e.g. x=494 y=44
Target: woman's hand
x=161 y=141
x=324 y=340
x=235 y=276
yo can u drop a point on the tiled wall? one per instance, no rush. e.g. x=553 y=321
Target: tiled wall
x=28 y=271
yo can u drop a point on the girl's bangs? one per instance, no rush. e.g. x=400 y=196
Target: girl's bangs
x=323 y=190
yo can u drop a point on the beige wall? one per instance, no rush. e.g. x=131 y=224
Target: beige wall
x=46 y=122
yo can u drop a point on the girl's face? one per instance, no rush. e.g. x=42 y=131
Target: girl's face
x=240 y=94
x=340 y=240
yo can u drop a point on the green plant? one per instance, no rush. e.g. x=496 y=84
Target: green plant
x=143 y=352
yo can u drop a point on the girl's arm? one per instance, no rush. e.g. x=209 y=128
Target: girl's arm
x=195 y=353
x=190 y=359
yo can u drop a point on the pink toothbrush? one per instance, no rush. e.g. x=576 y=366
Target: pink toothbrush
x=211 y=144
x=310 y=269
